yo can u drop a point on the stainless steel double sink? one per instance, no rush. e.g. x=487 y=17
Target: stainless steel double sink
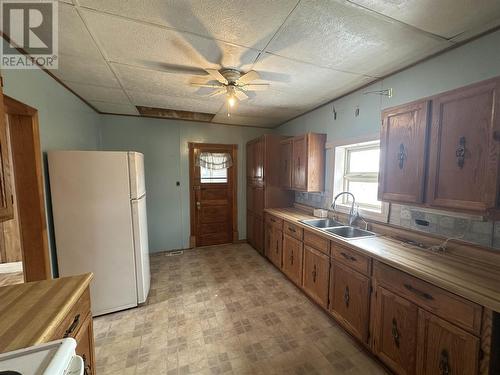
x=338 y=229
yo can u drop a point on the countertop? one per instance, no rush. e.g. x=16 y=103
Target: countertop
x=474 y=280
x=31 y=312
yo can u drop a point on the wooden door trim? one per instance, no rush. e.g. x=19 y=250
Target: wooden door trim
x=28 y=175
x=233 y=148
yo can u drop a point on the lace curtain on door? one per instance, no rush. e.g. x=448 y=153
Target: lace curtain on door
x=214 y=160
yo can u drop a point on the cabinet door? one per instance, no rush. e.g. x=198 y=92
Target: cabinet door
x=464 y=155
x=258 y=157
x=292 y=258
x=85 y=345
x=258 y=200
x=444 y=348
x=403 y=153
x=316 y=278
x=258 y=234
x=395 y=331
x=275 y=247
x=299 y=175
x=350 y=299
x=268 y=242
x=286 y=164
x=6 y=207
x=250 y=160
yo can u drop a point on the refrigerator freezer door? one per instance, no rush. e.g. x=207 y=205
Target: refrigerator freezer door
x=137 y=180
x=93 y=224
x=140 y=223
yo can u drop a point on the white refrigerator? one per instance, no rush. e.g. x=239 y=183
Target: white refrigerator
x=99 y=211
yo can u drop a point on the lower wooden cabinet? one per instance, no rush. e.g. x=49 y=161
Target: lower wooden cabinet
x=255 y=231
x=85 y=345
x=394 y=326
x=444 y=348
x=292 y=258
x=350 y=299
x=316 y=276
x=274 y=246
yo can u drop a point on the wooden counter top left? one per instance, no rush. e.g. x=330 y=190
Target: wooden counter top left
x=31 y=313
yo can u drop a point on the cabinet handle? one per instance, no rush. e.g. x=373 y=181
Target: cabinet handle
x=86 y=367
x=291 y=258
x=418 y=292
x=273 y=220
x=73 y=325
x=348 y=257
x=402 y=156
x=292 y=230
x=444 y=363
x=460 y=152
x=347 y=297
x=395 y=332
x=314 y=274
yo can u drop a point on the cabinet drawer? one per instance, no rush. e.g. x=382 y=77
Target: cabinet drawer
x=351 y=258
x=75 y=318
x=318 y=242
x=293 y=230
x=446 y=305
x=274 y=221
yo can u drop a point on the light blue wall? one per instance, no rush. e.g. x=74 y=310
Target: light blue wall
x=65 y=121
x=164 y=144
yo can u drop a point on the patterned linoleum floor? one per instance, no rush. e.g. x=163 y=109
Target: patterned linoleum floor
x=224 y=310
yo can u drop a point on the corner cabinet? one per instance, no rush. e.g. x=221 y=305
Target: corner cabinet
x=302 y=163
x=444 y=152
x=6 y=203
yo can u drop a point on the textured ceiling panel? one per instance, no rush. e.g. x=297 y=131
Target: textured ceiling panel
x=228 y=20
x=74 y=38
x=206 y=105
x=85 y=70
x=155 y=82
x=99 y=93
x=137 y=43
x=124 y=109
x=446 y=18
x=348 y=38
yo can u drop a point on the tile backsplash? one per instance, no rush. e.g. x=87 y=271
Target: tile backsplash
x=473 y=229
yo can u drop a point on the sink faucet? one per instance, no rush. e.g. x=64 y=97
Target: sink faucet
x=352 y=212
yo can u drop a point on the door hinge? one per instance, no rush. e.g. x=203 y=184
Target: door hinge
x=12 y=199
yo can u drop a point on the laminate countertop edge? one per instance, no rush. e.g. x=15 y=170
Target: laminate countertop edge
x=466 y=280
x=23 y=297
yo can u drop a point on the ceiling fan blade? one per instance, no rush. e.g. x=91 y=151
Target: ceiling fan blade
x=240 y=95
x=209 y=85
x=216 y=74
x=252 y=75
x=217 y=92
x=256 y=87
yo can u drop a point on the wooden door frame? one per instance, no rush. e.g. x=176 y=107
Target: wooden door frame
x=233 y=148
x=27 y=164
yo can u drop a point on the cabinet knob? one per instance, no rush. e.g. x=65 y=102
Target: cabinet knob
x=395 y=332
x=73 y=326
x=402 y=156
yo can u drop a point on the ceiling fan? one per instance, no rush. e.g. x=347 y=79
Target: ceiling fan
x=233 y=83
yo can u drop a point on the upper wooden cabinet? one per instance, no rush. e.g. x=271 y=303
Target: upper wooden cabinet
x=464 y=152
x=452 y=141
x=6 y=204
x=302 y=162
x=402 y=148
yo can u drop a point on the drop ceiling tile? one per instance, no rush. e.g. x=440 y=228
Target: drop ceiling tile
x=156 y=82
x=446 y=18
x=84 y=70
x=229 y=20
x=98 y=93
x=307 y=85
x=74 y=38
x=207 y=105
x=137 y=43
x=123 y=109
x=346 y=37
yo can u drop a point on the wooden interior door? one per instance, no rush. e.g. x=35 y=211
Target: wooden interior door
x=299 y=175
x=403 y=153
x=213 y=200
x=285 y=173
x=444 y=348
x=316 y=275
x=464 y=154
x=350 y=299
x=395 y=323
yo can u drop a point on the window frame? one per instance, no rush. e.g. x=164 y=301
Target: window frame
x=338 y=180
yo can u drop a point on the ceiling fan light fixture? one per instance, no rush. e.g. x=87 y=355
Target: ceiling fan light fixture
x=231 y=100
